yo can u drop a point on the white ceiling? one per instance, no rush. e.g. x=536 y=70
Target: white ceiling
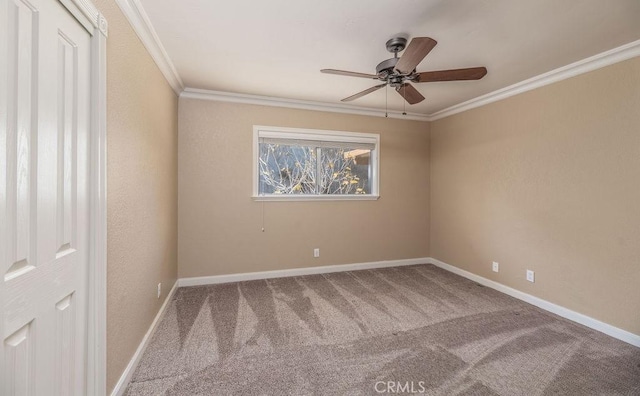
x=276 y=48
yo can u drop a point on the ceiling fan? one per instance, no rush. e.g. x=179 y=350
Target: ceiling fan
x=398 y=72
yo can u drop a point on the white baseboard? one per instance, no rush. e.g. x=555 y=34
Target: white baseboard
x=585 y=320
x=125 y=378
x=210 y=280
x=592 y=323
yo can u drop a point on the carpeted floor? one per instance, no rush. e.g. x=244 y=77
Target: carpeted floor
x=416 y=329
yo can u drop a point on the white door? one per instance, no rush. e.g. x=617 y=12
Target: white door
x=44 y=125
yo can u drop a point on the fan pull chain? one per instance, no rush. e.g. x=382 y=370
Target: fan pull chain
x=386 y=100
x=404 y=102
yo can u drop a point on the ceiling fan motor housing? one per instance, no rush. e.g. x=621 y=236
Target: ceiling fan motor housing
x=385 y=68
x=386 y=72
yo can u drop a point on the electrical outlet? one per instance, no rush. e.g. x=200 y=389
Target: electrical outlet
x=159 y=289
x=531 y=276
x=316 y=252
x=496 y=267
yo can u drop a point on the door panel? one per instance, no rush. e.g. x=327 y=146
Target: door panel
x=67 y=108
x=21 y=103
x=44 y=125
x=19 y=362
x=64 y=342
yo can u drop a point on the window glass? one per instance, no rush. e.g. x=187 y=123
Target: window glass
x=344 y=171
x=310 y=164
x=287 y=169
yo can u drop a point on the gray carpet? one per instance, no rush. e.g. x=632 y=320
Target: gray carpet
x=416 y=329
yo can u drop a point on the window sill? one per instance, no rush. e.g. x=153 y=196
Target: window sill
x=282 y=198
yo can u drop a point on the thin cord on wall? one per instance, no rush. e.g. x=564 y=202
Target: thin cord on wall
x=262 y=216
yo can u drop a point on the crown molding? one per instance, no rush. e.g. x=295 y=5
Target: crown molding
x=134 y=12
x=619 y=54
x=220 y=96
x=595 y=62
x=141 y=24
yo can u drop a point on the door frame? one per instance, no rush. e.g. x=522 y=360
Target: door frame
x=95 y=23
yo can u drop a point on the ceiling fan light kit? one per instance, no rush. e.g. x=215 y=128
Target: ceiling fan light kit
x=398 y=72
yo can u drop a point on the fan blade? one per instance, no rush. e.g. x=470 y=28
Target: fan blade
x=348 y=73
x=418 y=48
x=365 y=92
x=472 y=73
x=410 y=93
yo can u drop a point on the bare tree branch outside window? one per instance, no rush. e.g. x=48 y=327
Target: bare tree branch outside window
x=294 y=169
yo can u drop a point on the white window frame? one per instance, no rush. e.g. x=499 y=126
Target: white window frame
x=260 y=131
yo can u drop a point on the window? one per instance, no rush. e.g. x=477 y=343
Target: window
x=307 y=164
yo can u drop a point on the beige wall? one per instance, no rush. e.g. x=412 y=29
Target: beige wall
x=142 y=190
x=550 y=181
x=220 y=226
